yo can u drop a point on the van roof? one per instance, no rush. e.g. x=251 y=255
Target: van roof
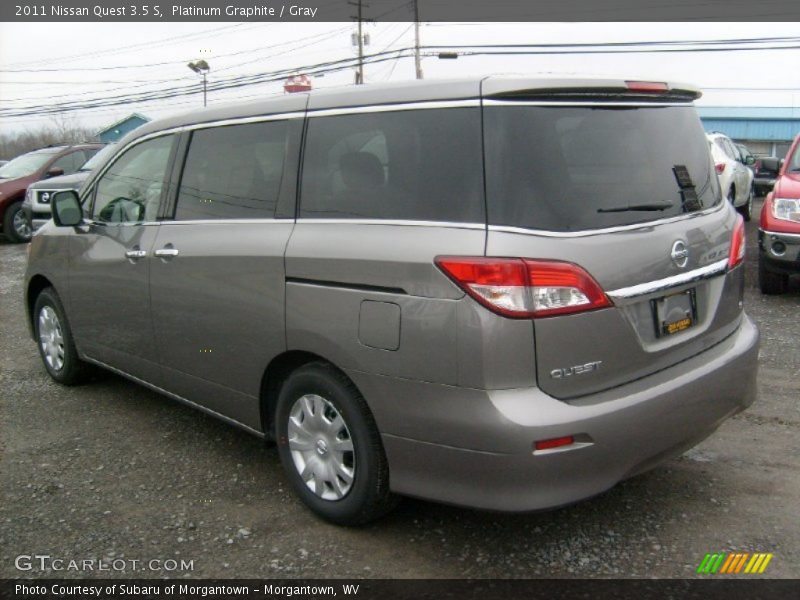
x=431 y=90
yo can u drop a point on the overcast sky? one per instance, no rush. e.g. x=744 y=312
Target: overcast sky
x=263 y=47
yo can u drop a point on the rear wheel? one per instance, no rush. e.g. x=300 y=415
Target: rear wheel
x=54 y=338
x=330 y=447
x=770 y=282
x=746 y=210
x=15 y=224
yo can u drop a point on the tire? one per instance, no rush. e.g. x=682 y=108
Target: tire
x=16 y=227
x=334 y=440
x=746 y=210
x=54 y=339
x=771 y=283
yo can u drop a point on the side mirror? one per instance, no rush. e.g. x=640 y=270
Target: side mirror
x=54 y=173
x=67 y=209
x=750 y=160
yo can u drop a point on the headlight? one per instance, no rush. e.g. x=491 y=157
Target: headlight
x=786 y=209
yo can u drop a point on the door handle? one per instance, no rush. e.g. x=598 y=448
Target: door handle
x=134 y=254
x=166 y=252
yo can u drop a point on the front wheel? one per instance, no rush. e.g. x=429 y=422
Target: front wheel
x=330 y=447
x=15 y=224
x=54 y=339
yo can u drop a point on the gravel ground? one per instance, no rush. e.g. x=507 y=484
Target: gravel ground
x=111 y=470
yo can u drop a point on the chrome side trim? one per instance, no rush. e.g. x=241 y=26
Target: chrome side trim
x=495 y=102
x=387 y=222
x=180 y=399
x=794 y=236
x=590 y=232
x=227 y=221
x=245 y=120
x=659 y=285
x=373 y=108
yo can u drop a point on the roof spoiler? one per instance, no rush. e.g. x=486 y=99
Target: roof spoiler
x=607 y=90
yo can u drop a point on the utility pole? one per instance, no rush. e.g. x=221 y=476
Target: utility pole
x=201 y=68
x=417 y=59
x=360 y=18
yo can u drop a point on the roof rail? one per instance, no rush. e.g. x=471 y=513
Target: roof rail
x=68 y=144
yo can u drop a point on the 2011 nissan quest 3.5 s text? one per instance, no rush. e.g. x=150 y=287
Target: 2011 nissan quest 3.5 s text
x=503 y=293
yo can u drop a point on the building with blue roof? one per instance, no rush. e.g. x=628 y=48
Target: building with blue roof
x=766 y=131
x=117 y=130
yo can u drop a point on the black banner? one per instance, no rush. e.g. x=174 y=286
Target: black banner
x=398 y=10
x=377 y=589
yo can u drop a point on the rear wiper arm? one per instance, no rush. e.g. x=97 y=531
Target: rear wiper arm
x=637 y=207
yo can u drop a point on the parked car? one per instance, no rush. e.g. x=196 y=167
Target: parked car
x=779 y=230
x=18 y=174
x=766 y=172
x=735 y=176
x=36 y=206
x=321 y=270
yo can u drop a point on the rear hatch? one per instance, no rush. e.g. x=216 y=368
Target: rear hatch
x=620 y=182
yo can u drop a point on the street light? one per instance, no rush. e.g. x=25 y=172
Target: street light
x=201 y=67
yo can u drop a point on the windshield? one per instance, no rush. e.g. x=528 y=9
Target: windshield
x=573 y=168
x=794 y=161
x=98 y=158
x=25 y=165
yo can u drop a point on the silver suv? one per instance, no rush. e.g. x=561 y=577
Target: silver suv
x=502 y=293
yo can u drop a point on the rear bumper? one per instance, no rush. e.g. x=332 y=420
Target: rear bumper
x=780 y=252
x=476 y=449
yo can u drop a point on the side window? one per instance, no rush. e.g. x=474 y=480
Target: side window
x=421 y=165
x=130 y=191
x=233 y=172
x=69 y=162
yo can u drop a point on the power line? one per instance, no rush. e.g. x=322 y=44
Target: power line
x=236 y=82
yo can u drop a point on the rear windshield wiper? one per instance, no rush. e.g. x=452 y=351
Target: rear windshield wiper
x=637 y=207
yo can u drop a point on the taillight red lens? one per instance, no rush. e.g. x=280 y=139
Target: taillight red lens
x=736 y=252
x=567 y=440
x=720 y=167
x=521 y=288
x=647 y=86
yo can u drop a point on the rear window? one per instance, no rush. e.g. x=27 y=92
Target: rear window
x=577 y=168
x=420 y=165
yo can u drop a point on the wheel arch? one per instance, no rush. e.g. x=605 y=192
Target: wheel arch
x=275 y=374
x=36 y=284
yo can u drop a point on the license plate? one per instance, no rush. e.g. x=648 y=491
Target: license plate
x=674 y=313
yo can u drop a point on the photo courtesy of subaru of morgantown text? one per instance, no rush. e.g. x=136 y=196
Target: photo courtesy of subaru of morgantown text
x=410 y=297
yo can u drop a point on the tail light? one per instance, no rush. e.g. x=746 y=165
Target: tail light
x=736 y=253
x=657 y=87
x=720 y=167
x=521 y=288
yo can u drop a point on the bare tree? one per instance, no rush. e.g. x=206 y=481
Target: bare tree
x=63 y=129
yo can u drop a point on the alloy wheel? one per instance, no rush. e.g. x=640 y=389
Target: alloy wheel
x=21 y=226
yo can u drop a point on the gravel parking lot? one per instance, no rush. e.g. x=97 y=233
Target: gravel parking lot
x=111 y=470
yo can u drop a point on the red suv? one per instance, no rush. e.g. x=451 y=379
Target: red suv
x=18 y=174
x=779 y=231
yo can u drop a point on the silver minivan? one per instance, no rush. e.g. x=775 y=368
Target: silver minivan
x=503 y=293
